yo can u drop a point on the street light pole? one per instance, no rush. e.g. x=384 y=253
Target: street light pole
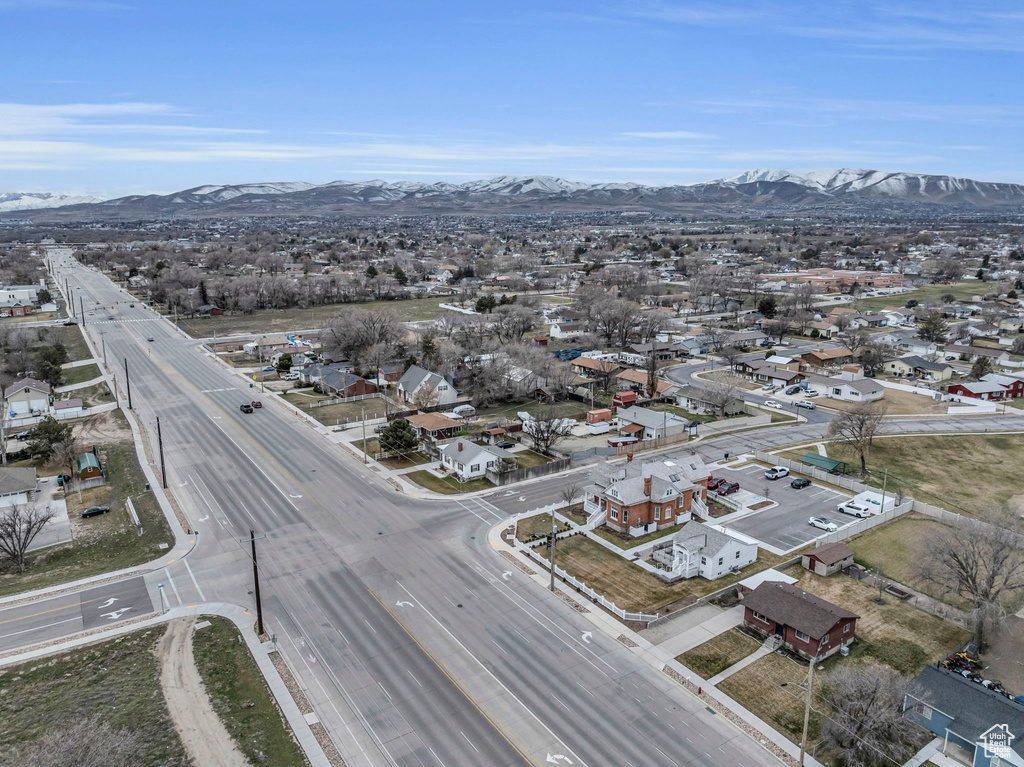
x=81 y=308
x=256 y=586
x=554 y=533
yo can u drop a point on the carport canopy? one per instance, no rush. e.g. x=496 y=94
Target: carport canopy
x=823 y=462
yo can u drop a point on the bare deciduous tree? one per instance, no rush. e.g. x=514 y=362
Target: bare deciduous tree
x=721 y=390
x=865 y=722
x=983 y=563
x=19 y=526
x=545 y=431
x=570 y=493
x=857 y=428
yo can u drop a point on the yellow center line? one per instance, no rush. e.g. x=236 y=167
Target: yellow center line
x=491 y=718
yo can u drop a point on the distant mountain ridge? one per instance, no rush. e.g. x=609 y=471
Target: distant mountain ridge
x=36 y=200
x=755 y=189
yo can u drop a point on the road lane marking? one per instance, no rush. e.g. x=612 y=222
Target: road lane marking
x=58 y=609
x=470 y=742
x=38 y=628
x=173 y=586
x=488 y=717
x=417 y=681
x=194 y=581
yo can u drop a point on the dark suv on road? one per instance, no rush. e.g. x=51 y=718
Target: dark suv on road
x=245 y=407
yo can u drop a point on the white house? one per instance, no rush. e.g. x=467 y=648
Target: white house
x=417 y=382
x=26 y=396
x=566 y=330
x=856 y=390
x=710 y=552
x=650 y=424
x=470 y=460
x=17 y=486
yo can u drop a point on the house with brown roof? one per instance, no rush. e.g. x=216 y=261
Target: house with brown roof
x=587 y=366
x=828 y=358
x=808 y=625
x=828 y=559
x=433 y=426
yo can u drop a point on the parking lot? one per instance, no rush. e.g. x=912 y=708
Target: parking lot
x=783 y=527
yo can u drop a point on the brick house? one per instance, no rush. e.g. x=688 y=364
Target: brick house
x=432 y=427
x=638 y=498
x=806 y=624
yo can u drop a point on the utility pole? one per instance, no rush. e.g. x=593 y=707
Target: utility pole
x=256 y=583
x=81 y=307
x=160 y=444
x=807 y=700
x=885 y=482
x=103 y=344
x=362 y=417
x=128 y=383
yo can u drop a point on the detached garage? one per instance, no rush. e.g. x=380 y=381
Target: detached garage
x=828 y=559
x=17 y=486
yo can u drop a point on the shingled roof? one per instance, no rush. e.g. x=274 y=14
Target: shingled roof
x=792 y=606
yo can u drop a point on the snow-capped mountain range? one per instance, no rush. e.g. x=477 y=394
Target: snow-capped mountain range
x=35 y=200
x=758 y=188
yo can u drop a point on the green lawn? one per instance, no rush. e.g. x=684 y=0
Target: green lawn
x=926 y=294
x=80 y=374
x=630 y=586
x=332 y=415
x=719 y=653
x=447 y=485
x=623 y=543
x=240 y=696
x=104 y=543
x=117 y=681
x=527 y=459
x=73 y=340
x=538 y=524
x=966 y=473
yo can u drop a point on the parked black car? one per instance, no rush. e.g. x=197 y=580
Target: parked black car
x=799 y=483
x=95 y=511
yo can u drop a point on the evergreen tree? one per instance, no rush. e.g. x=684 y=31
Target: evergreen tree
x=284 y=363
x=767 y=306
x=400 y=276
x=399 y=437
x=934 y=328
x=982 y=367
x=371 y=271
x=46 y=435
x=203 y=297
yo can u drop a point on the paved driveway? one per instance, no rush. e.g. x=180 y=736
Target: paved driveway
x=784 y=526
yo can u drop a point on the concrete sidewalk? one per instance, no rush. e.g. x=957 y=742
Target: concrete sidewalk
x=755 y=656
x=703 y=632
x=243 y=621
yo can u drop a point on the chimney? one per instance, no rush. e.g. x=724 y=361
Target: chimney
x=460 y=446
x=693 y=452
x=647 y=485
x=629 y=458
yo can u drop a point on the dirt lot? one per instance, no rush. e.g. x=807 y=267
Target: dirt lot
x=631 y=587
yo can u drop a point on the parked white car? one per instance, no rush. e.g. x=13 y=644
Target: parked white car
x=774 y=404
x=822 y=523
x=805 y=404
x=854 y=509
x=776 y=472
x=291 y=377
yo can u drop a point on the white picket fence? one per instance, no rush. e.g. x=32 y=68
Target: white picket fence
x=585 y=589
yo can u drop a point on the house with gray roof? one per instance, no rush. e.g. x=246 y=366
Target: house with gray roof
x=708 y=551
x=848 y=390
x=968 y=716
x=470 y=460
x=417 y=383
x=645 y=424
x=17 y=486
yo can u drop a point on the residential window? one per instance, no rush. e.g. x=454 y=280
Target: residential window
x=846 y=629
x=758 y=616
x=657 y=512
x=802 y=636
x=837 y=391
x=720 y=560
x=615 y=512
x=703 y=560
x=475 y=467
x=737 y=554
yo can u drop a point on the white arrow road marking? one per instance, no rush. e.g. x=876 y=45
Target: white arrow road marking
x=400 y=603
x=559 y=759
x=108 y=603
x=508 y=493
x=116 y=614
x=586 y=636
x=506 y=575
x=522 y=498
x=203 y=519
x=294 y=496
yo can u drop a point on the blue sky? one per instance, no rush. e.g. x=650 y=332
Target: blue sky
x=126 y=96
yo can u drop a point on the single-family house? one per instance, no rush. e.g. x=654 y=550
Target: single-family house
x=828 y=358
x=642 y=423
x=68 y=408
x=28 y=397
x=590 y=367
x=470 y=460
x=634 y=498
x=828 y=559
x=210 y=310
x=419 y=382
x=702 y=550
x=971 y=353
x=432 y=427
x=697 y=399
x=808 y=625
x=913 y=366
x=567 y=330
x=967 y=716
x=848 y=390
x=17 y=486
x=762 y=371
x=342 y=383
x=637 y=381
x=986 y=390
x=1014 y=386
